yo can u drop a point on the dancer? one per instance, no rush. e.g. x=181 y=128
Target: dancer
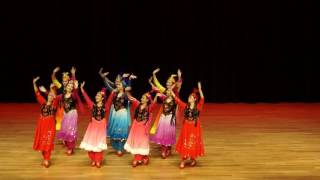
x=138 y=140
x=119 y=110
x=69 y=100
x=45 y=130
x=164 y=129
x=61 y=89
x=94 y=140
x=170 y=82
x=190 y=142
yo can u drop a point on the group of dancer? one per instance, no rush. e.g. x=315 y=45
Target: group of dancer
x=126 y=121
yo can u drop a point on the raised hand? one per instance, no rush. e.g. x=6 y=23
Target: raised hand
x=125 y=75
x=132 y=76
x=103 y=74
x=179 y=73
x=199 y=85
x=156 y=70
x=36 y=79
x=200 y=89
x=34 y=83
x=43 y=89
x=82 y=85
x=52 y=85
x=56 y=69
x=76 y=84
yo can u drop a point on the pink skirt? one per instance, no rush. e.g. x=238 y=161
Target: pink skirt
x=95 y=136
x=138 y=140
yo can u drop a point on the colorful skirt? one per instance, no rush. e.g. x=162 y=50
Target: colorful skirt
x=44 y=134
x=190 y=142
x=95 y=136
x=138 y=140
x=118 y=125
x=165 y=133
x=68 y=131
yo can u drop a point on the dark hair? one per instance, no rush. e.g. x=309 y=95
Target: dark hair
x=195 y=109
x=137 y=111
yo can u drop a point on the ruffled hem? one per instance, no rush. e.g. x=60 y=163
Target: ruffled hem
x=88 y=147
x=142 y=151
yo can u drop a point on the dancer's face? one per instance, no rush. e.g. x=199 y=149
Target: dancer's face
x=65 y=80
x=119 y=86
x=69 y=87
x=51 y=97
x=99 y=97
x=169 y=83
x=191 y=99
x=144 y=99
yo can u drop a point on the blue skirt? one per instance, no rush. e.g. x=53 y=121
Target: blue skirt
x=118 y=124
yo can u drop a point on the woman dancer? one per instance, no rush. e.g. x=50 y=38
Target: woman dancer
x=119 y=111
x=138 y=140
x=94 y=140
x=190 y=142
x=45 y=130
x=69 y=100
x=61 y=88
x=164 y=129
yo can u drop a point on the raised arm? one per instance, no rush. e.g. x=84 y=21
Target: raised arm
x=54 y=78
x=179 y=82
x=178 y=100
x=154 y=102
x=201 y=101
x=35 y=87
x=75 y=95
x=134 y=101
x=86 y=97
x=153 y=87
x=126 y=77
x=156 y=82
x=109 y=84
x=40 y=99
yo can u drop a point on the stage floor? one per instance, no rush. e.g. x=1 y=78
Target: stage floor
x=242 y=141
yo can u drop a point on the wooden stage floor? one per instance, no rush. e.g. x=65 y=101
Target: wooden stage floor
x=242 y=141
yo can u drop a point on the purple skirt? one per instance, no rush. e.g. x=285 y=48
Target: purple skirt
x=68 y=131
x=166 y=133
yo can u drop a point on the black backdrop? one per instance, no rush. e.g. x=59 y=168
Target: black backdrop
x=242 y=51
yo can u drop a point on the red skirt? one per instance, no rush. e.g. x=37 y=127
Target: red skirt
x=44 y=134
x=190 y=142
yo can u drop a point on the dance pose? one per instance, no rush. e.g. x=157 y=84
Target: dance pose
x=171 y=82
x=61 y=89
x=164 y=129
x=94 y=140
x=190 y=142
x=119 y=110
x=138 y=140
x=45 y=130
x=69 y=101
